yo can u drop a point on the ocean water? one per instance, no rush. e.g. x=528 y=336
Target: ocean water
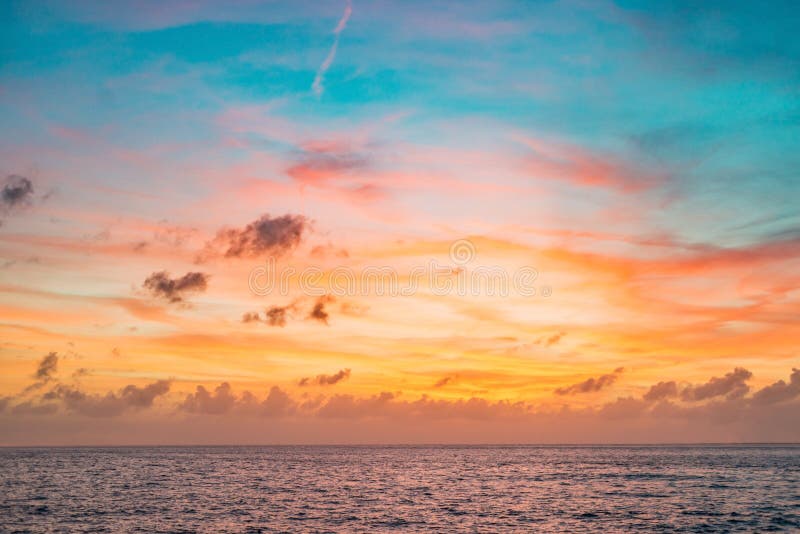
x=408 y=489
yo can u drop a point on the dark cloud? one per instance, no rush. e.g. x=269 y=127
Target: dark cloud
x=17 y=191
x=326 y=380
x=112 y=403
x=318 y=312
x=267 y=235
x=662 y=390
x=732 y=386
x=273 y=316
x=276 y=315
x=780 y=391
x=45 y=372
x=47 y=367
x=591 y=385
x=160 y=285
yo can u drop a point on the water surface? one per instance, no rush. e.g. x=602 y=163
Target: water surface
x=413 y=489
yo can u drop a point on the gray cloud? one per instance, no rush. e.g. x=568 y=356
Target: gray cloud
x=223 y=400
x=204 y=402
x=266 y=235
x=662 y=390
x=326 y=380
x=47 y=367
x=591 y=385
x=111 y=404
x=17 y=191
x=732 y=385
x=45 y=372
x=780 y=391
x=160 y=285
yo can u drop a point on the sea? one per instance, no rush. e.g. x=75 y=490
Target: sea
x=746 y=488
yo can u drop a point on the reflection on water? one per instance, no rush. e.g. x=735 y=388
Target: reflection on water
x=424 y=489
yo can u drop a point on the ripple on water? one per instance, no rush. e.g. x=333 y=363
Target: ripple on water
x=409 y=489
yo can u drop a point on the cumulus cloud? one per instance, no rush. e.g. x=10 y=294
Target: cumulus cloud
x=266 y=235
x=387 y=404
x=780 y=391
x=112 y=403
x=16 y=192
x=662 y=390
x=591 y=385
x=160 y=285
x=278 y=403
x=223 y=400
x=732 y=386
x=326 y=380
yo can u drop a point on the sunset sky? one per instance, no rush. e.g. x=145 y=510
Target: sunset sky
x=641 y=158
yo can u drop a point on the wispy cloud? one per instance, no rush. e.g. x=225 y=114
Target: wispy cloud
x=317 y=87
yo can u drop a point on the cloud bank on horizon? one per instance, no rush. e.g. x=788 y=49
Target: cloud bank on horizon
x=640 y=157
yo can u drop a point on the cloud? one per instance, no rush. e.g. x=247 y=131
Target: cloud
x=732 y=385
x=320 y=166
x=204 y=402
x=45 y=372
x=17 y=191
x=318 y=312
x=32 y=408
x=273 y=316
x=591 y=385
x=160 y=285
x=266 y=235
x=250 y=317
x=780 y=391
x=387 y=404
x=443 y=381
x=47 y=367
x=278 y=403
x=223 y=400
x=317 y=85
x=662 y=390
x=326 y=380
x=111 y=404
x=276 y=315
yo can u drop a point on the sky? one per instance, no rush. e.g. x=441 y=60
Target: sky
x=266 y=222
